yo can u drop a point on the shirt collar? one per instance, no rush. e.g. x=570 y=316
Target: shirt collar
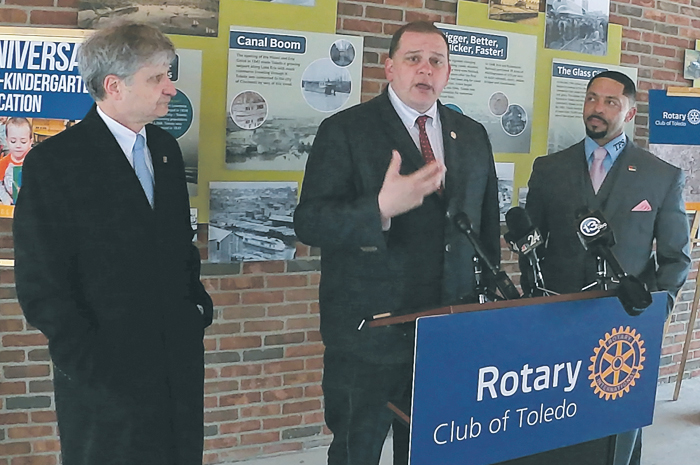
x=407 y=114
x=614 y=147
x=125 y=136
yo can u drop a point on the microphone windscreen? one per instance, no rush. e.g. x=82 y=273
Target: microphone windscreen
x=518 y=222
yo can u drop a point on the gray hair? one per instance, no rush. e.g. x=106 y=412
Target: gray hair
x=121 y=50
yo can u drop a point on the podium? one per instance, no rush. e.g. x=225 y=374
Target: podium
x=504 y=381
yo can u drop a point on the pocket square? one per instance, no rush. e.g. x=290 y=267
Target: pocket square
x=642 y=206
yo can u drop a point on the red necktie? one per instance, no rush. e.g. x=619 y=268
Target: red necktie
x=425 y=147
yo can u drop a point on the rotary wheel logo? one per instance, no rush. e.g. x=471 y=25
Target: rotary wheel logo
x=616 y=363
x=694 y=116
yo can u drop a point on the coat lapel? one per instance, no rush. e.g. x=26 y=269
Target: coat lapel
x=398 y=133
x=452 y=140
x=117 y=174
x=626 y=180
x=575 y=175
x=159 y=158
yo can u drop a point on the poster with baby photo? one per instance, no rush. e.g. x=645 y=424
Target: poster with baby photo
x=43 y=94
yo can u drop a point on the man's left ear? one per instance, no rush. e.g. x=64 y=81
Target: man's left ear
x=112 y=86
x=630 y=114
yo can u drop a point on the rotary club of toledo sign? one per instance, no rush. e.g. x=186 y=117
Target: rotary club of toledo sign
x=615 y=365
x=580 y=378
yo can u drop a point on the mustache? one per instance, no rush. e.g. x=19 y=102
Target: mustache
x=590 y=118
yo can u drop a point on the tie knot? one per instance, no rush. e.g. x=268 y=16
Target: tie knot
x=140 y=143
x=420 y=121
x=600 y=153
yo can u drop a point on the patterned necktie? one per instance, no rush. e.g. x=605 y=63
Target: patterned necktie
x=597 y=171
x=425 y=147
x=141 y=168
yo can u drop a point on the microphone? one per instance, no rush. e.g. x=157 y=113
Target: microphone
x=524 y=238
x=503 y=282
x=597 y=236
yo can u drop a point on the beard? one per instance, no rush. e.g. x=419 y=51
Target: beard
x=593 y=134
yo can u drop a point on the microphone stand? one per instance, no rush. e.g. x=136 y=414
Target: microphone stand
x=602 y=280
x=539 y=279
x=479 y=286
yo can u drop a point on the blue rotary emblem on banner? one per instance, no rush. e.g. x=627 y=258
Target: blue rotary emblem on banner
x=616 y=363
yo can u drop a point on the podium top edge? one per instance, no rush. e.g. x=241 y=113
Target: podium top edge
x=398 y=319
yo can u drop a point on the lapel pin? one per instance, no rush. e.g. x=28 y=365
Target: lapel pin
x=165 y=159
x=632 y=168
x=453 y=135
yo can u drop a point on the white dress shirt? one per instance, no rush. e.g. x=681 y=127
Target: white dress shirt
x=126 y=138
x=433 y=126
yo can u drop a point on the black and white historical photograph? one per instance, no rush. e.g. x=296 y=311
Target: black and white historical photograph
x=522 y=196
x=505 y=172
x=281 y=140
x=498 y=103
x=325 y=86
x=342 y=52
x=183 y=17
x=251 y=221
x=514 y=120
x=248 y=110
x=577 y=26
x=691 y=65
x=515 y=11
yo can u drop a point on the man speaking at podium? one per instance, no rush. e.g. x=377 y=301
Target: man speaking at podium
x=382 y=183
x=639 y=195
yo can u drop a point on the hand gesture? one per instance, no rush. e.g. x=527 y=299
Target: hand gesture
x=400 y=193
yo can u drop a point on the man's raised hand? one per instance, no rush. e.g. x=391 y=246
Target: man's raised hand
x=400 y=193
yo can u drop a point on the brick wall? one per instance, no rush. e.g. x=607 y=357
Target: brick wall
x=654 y=38
x=264 y=359
x=264 y=355
x=42 y=13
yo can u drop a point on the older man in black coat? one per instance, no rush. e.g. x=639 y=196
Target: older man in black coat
x=106 y=269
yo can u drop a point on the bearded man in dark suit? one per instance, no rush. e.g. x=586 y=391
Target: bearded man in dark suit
x=106 y=268
x=382 y=182
x=639 y=195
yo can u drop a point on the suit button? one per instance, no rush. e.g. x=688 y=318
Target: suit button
x=448 y=247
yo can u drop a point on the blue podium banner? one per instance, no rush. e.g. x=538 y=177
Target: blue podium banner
x=673 y=120
x=495 y=385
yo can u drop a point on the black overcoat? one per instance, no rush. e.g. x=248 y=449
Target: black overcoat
x=114 y=284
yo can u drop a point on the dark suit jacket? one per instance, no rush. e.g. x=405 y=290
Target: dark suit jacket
x=560 y=184
x=113 y=284
x=423 y=261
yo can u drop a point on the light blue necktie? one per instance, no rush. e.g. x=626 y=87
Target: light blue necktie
x=141 y=168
